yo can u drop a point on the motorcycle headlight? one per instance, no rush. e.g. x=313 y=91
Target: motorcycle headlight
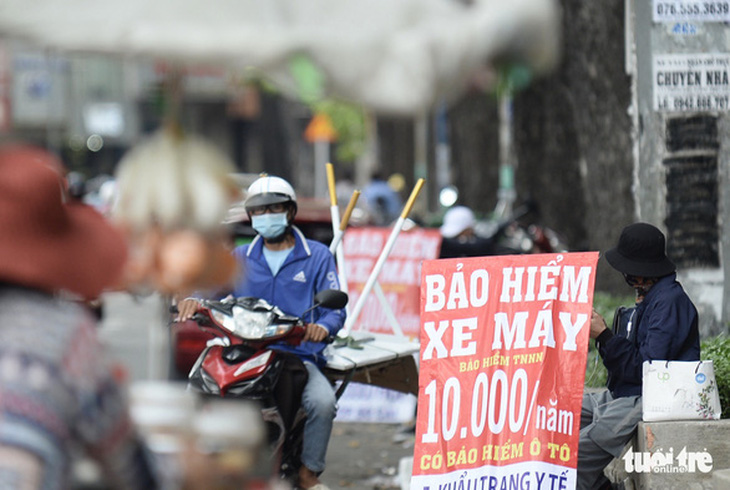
x=248 y=324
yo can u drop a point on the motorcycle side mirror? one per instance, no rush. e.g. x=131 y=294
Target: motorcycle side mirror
x=331 y=298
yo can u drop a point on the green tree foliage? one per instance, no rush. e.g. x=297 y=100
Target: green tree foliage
x=349 y=122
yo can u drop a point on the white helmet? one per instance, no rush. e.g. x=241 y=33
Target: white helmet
x=456 y=220
x=270 y=190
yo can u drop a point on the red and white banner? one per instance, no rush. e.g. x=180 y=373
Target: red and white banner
x=503 y=354
x=399 y=279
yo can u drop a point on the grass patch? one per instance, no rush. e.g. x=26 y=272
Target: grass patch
x=717 y=349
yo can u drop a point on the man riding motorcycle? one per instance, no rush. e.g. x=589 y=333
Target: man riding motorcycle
x=286 y=269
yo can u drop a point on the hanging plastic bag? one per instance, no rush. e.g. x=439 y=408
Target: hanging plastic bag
x=679 y=390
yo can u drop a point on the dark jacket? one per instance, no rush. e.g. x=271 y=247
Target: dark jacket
x=663 y=327
x=466 y=247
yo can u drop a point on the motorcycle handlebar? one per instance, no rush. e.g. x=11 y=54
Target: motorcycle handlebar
x=197 y=317
x=295 y=337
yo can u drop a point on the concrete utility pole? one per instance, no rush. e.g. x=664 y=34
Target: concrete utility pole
x=677 y=52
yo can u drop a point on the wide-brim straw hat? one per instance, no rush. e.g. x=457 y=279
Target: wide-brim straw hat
x=641 y=252
x=50 y=241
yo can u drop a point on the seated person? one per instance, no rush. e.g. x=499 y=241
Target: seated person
x=458 y=237
x=663 y=325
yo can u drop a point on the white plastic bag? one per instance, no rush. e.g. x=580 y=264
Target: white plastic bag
x=679 y=390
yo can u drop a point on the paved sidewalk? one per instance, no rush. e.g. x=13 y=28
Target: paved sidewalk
x=366 y=456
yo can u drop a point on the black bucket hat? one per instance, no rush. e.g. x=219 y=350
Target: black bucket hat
x=640 y=252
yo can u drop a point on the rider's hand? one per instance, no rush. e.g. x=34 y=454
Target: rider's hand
x=598 y=324
x=315 y=333
x=186 y=309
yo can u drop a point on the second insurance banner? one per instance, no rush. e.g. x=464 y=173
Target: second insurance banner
x=502 y=363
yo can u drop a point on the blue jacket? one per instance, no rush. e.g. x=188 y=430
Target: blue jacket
x=381 y=198
x=309 y=269
x=663 y=327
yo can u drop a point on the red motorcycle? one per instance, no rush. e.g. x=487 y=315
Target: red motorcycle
x=240 y=361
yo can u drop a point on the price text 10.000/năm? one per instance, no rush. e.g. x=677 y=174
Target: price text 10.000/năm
x=495 y=403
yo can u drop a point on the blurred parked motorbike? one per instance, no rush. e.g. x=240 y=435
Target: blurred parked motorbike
x=518 y=234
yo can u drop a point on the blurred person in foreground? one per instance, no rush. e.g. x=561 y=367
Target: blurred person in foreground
x=458 y=238
x=288 y=270
x=662 y=325
x=57 y=392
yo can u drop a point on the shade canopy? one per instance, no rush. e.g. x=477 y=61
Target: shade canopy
x=393 y=56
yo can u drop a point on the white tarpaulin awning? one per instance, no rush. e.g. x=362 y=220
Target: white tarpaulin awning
x=393 y=56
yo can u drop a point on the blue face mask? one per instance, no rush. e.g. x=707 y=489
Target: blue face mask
x=270 y=225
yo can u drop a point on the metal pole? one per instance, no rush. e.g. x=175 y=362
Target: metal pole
x=321 y=155
x=506 y=193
